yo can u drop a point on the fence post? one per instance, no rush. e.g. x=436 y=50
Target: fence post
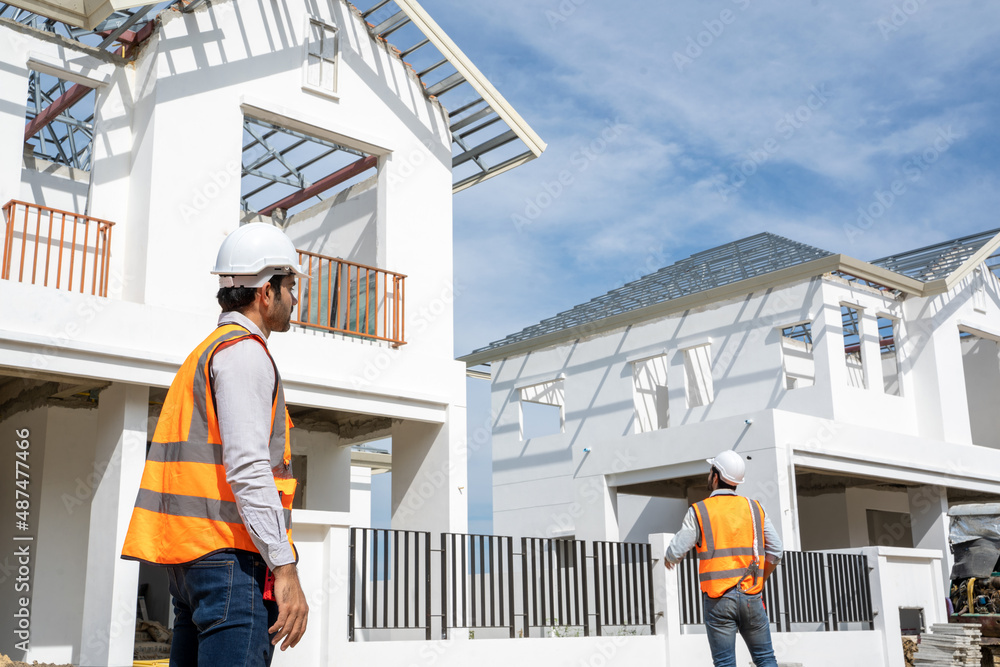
x=886 y=612
x=666 y=599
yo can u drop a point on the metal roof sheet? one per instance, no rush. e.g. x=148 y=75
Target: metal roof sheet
x=753 y=256
x=740 y=260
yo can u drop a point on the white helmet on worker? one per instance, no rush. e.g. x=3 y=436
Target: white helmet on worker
x=730 y=465
x=255 y=253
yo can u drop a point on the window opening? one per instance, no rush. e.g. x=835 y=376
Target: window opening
x=59 y=120
x=698 y=375
x=797 y=360
x=542 y=409
x=981 y=363
x=283 y=169
x=321 y=57
x=889 y=356
x=649 y=394
x=852 y=347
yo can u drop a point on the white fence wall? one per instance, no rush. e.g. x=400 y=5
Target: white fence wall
x=899 y=578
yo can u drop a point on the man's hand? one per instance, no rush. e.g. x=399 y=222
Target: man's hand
x=667 y=564
x=293 y=611
x=769 y=568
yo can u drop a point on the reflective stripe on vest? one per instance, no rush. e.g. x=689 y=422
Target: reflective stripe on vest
x=725 y=549
x=185 y=508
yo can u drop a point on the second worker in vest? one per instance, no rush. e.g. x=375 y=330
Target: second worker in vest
x=214 y=503
x=738 y=550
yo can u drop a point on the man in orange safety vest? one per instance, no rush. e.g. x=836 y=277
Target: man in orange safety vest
x=215 y=500
x=731 y=534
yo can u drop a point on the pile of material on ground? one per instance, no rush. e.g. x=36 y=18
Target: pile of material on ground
x=7 y=662
x=152 y=641
x=950 y=645
x=909 y=650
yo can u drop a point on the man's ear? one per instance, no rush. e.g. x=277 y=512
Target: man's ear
x=267 y=292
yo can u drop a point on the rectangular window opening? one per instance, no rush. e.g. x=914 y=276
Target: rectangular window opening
x=320 y=72
x=285 y=171
x=60 y=120
x=797 y=360
x=542 y=409
x=649 y=394
x=698 y=375
x=981 y=363
x=890 y=358
x=851 y=321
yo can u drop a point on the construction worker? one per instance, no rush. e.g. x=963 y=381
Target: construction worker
x=731 y=534
x=214 y=504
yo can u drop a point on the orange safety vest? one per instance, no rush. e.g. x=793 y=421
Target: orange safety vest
x=725 y=548
x=185 y=509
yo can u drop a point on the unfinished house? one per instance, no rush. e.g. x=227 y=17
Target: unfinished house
x=861 y=394
x=133 y=139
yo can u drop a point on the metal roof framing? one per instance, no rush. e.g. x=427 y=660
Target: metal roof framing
x=751 y=264
x=286 y=163
x=61 y=22
x=60 y=125
x=487 y=132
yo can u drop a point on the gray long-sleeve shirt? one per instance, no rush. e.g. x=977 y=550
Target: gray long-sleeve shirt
x=243 y=377
x=690 y=532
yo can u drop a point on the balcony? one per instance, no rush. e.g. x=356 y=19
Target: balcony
x=350 y=298
x=56 y=248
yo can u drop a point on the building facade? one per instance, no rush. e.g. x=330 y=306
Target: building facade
x=127 y=155
x=860 y=394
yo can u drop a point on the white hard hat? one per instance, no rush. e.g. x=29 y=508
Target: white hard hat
x=730 y=465
x=255 y=253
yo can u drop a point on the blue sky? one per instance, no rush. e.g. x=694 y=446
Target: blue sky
x=679 y=126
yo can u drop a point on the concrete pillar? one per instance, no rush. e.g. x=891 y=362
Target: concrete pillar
x=595 y=509
x=828 y=346
x=429 y=475
x=13 y=94
x=361 y=497
x=666 y=605
x=110 y=596
x=871 y=352
x=931 y=355
x=929 y=523
x=770 y=480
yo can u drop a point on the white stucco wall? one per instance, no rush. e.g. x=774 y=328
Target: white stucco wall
x=554 y=485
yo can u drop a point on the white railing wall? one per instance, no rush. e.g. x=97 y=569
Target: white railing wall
x=899 y=578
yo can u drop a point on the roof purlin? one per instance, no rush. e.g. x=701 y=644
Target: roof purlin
x=813 y=268
x=942 y=285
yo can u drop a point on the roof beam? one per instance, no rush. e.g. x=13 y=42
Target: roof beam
x=60 y=104
x=322 y=185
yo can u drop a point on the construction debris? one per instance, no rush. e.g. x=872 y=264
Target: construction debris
x=950 y=645
x=909 y=650
x=152 y=641
x=7 y=662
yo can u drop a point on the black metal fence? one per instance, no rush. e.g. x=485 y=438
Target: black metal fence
x=623 y=577
x=391 y=569
x=477 y=582
x=555 y=591
x=557 y=585
x=810 y=588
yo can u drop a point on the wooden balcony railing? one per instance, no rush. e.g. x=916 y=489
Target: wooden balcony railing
x=351 y=298
x=56 y=248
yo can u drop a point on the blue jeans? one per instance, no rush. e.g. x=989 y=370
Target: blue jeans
x=220 y=615
x=736 y=612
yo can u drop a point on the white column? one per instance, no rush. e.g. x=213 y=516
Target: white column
x=595 y=509
x=110 y=596
x=929 y=523
x=666 y=605
x=429 y=475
